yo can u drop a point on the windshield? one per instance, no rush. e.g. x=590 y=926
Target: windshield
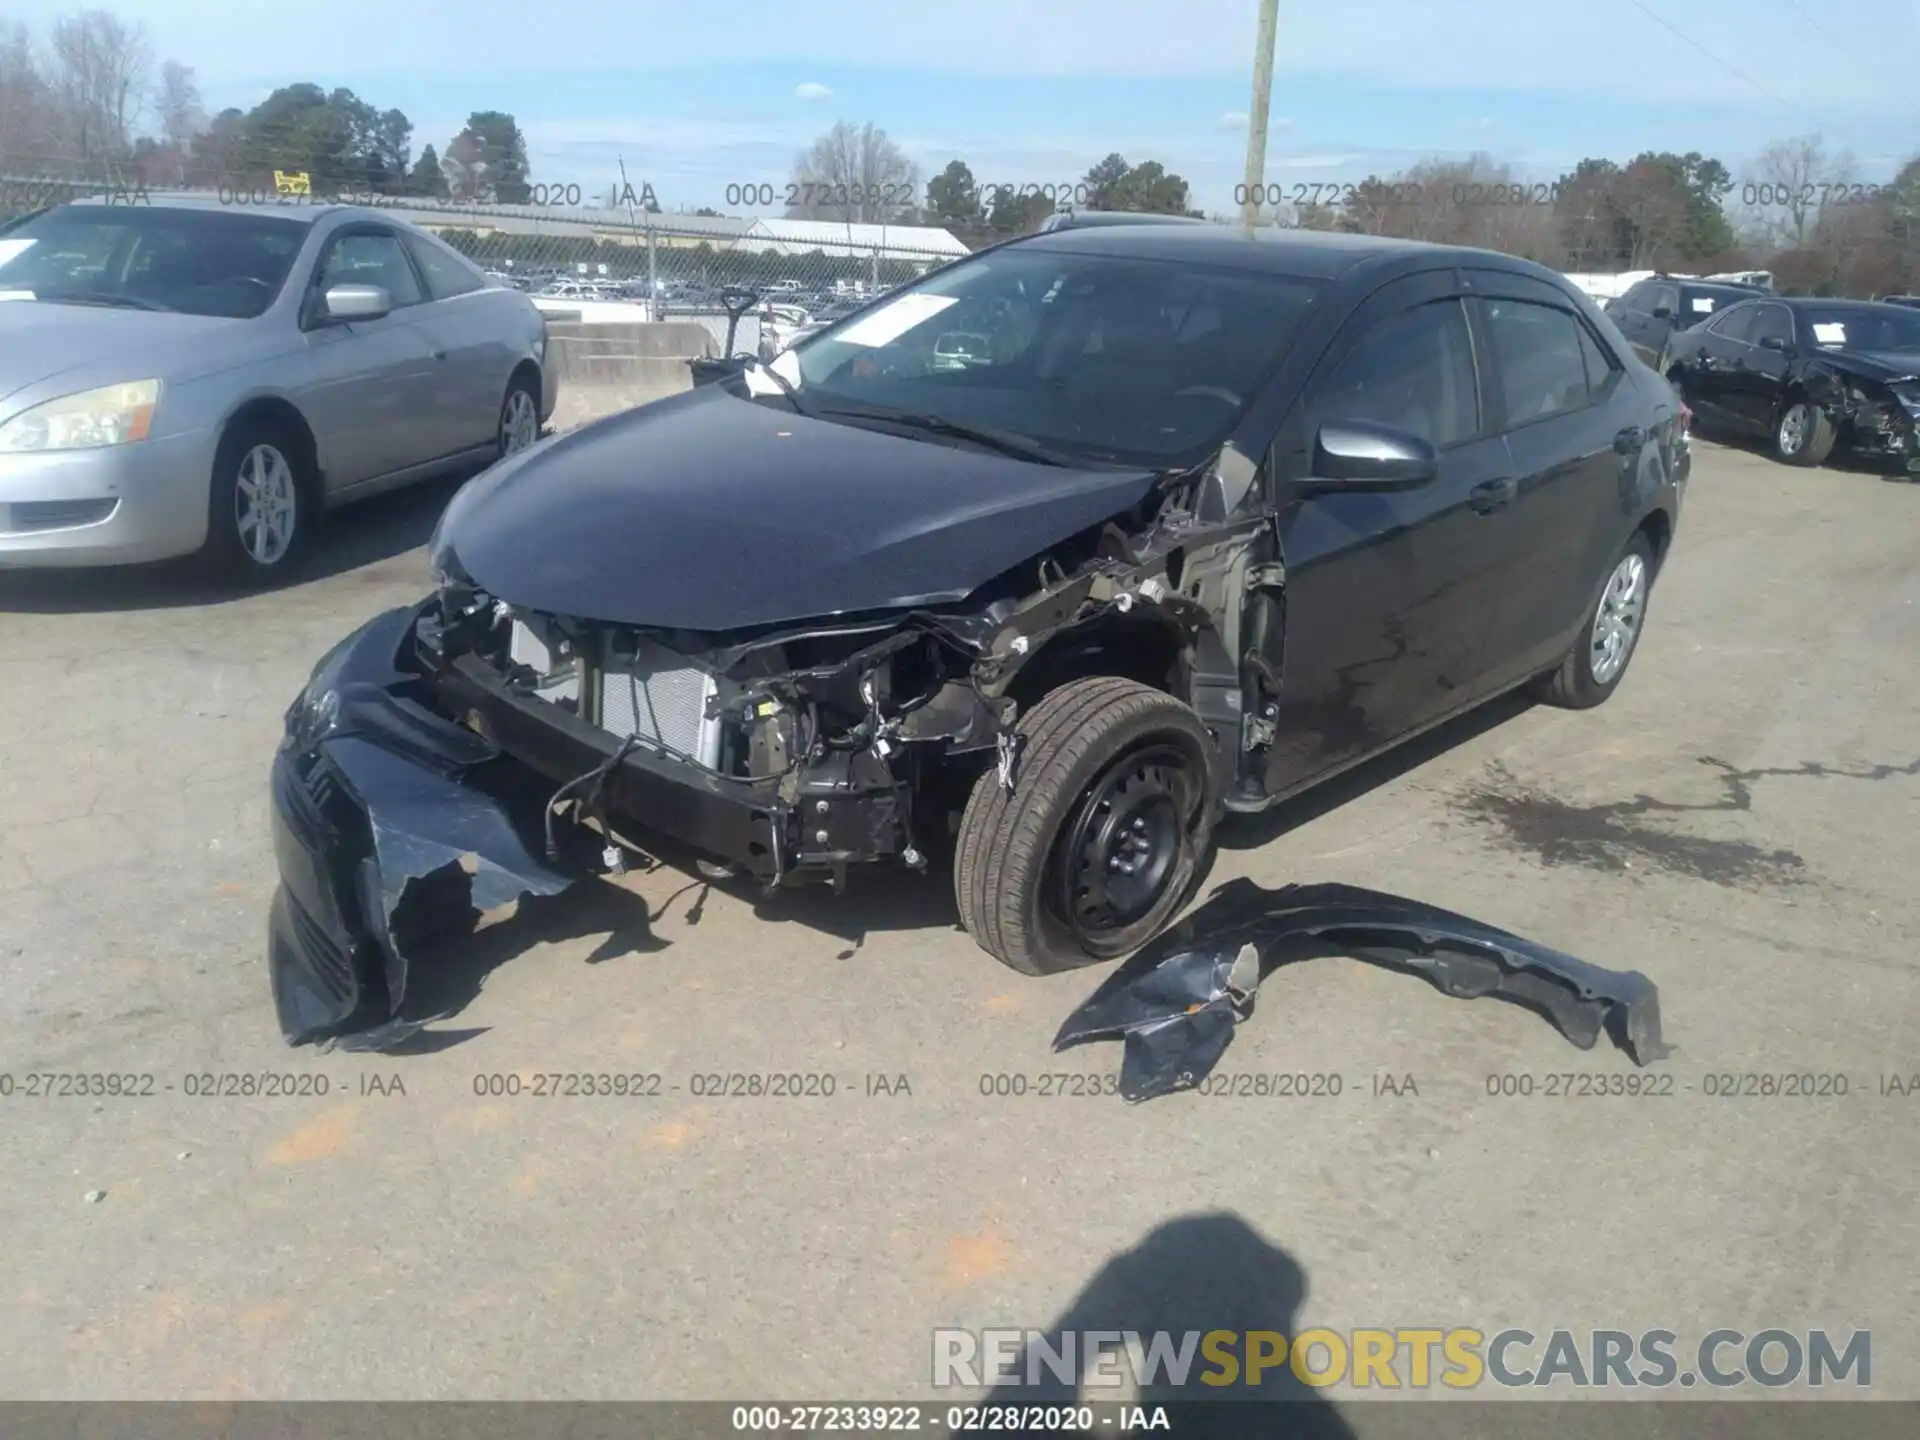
x=149 y=258
x=1863 y=327
x=1098 y=357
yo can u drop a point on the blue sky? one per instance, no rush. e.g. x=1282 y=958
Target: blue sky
x=1031 y=91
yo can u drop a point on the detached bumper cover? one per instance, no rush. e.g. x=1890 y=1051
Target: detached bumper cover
x=377 y=818
x=1177 y=1002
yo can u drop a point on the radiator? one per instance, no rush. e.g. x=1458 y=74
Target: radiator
x=662 y=700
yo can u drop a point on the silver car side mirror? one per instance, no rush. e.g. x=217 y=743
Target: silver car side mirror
x=357 y=302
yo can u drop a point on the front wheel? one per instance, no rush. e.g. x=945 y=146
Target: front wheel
x=260 y=513
x=1803 y=435
x=1107 y=827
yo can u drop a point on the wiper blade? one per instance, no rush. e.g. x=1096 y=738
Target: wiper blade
x=786 y=386
x=1005 y=441
x=107 y=297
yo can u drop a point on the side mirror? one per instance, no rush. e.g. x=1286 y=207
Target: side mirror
x=1663 y=312
x=355 y=302
x=1359 y=455
x=1774 y=342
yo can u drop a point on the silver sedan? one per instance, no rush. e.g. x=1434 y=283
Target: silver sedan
x=197 y=379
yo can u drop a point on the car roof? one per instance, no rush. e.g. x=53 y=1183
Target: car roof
x=1081 y=219
x=1830 y=302
x=1304 y=254
x=300 y=214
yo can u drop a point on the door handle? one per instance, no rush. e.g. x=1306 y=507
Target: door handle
x=1491 y=495
x=1629 y=440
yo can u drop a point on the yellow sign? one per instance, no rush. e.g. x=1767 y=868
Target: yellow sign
x=298 y=183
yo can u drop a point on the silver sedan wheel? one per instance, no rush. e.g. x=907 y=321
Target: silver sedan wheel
x=266 y=505
x=519 y=422
x=1793 y=429
x=1616 y=625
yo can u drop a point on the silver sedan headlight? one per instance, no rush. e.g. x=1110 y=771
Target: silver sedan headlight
x=91 y=420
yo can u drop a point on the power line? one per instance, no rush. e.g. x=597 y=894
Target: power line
x=1732 y=70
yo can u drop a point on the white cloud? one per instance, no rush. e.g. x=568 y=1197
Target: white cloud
x=1234 y=120
x=1285 y=122
x=811 y=90
x=1485 y=122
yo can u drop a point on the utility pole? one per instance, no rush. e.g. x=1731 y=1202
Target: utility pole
x=1257 y=114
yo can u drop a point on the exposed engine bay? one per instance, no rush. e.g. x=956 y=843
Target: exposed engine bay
x=847 y=736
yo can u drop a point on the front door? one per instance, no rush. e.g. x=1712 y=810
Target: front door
x=1387 y=594
x=370 y=388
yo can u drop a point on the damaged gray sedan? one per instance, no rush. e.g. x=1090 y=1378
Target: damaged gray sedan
x=1203 y=520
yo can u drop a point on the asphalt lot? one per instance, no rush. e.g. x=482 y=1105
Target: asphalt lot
x=1739 y=823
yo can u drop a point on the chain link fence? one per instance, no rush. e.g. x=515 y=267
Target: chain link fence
x=601 y=264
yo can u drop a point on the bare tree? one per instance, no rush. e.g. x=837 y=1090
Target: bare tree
x=177 y=101
x=855 y=174
x=100 y=80
x=1791 y=180
x=23 y=103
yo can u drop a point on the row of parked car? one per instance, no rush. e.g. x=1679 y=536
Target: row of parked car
x=1810 y=376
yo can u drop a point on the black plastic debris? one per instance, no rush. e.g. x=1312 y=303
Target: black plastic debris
x=384 y=841
x=1176 y=1003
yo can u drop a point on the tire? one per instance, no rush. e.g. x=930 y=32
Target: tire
x=519 y=423
x=1575 y=685
x=1802 y=434
x=1105 y=739
x=259 y=476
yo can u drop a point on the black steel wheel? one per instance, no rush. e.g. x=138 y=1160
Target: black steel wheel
x=1098 y=843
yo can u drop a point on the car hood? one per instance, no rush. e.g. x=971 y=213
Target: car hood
x=712 y=513
x=1877 y=364
x=42 y=342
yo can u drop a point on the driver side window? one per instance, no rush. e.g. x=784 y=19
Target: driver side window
x=370 y=259
x=1413 y=371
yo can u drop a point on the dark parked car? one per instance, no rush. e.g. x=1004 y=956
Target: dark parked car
x=1654 y=310
x=1809 y=375
x=1912 y=302
x=1214 y=519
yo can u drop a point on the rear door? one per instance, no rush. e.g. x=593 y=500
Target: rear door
x=1563 y=400
x=1634 y=315
x=1388 y=595
x=1723 y=351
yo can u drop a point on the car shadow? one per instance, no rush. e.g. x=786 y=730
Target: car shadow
x=1250 y=832
x=1843 y=461
x=446 y=975
x=1191 y=1275
x=351 y=540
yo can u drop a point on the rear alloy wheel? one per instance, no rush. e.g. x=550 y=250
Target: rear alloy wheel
x=260 y=510
x=519 y=418
x=1804 y=435
x=1594 y=667
x=1107 y=828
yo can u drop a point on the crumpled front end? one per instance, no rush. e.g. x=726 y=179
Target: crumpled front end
x=385 y=834
x=1883 y=422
